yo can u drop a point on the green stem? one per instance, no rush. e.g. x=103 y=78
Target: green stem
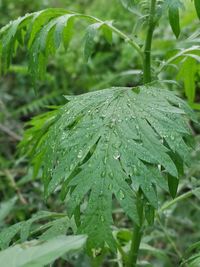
x=178 y=199
x=137 y=235
x=147 y=48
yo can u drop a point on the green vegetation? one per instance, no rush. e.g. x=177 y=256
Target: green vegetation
x=90 y=180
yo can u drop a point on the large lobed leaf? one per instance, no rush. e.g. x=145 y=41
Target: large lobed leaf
x=109 y=144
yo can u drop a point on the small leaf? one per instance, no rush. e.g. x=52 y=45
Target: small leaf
x=58 y=227
x=90 y=39
x=6 y=207
x=38 y=254
x=149 y=214
x=129 y=5
x=174 y=19
x=197 y=7
x=173 y=185
x=7 y=234
x=107 y=33
x=187 y=73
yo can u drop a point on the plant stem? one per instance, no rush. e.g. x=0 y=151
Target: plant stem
x=147 y=48
x=178 y=199
x=137 y=235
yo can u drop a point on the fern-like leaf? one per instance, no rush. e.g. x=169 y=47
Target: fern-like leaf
x=110 y=143
x=43 y=32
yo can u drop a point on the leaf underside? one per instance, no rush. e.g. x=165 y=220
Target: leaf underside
x=108 y=144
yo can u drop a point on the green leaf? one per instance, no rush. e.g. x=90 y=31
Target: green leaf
x=194 y=260
x=26 y=226
x=6 y=207
x=37 y=254
x=187 y=73
x=57 y=227
x=7 y=234
x=150 y=214
x=55 y=224
x=129 y=4
x=107 y=32
x=174 y=19
x=90 y=39
x=110 y=143
x=173 y=185
x=64 y=30
x=197 y=7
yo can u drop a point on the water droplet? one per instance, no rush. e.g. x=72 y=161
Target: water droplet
x=102 y=218
x=116 y=156
x=121 y=195
x=71 y=167
x=172 y=137
x=110 y=187
x=111 y=174
x=80 y=154
x=103 y=174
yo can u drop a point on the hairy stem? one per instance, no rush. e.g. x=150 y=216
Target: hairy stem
x=147 y=48
x=137 y=235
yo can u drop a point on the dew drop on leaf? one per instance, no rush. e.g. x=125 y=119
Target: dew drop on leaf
x=121 y=195
x=110 y=187
x=80 y=154
x=116 y=156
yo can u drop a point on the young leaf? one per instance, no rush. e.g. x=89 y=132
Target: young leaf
x=90 y=39
x=187 y=73
x=173 y=185
x=173 y=10
x=58 y=227
x=6 y=207
x=7 y=234
x=106 y=143
x=174 y=19
x=38 y=254
x=129 y=4
x=197 y=7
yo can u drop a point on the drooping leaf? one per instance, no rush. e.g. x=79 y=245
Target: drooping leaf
x=173 y=11
x=129 y=4
x=57 y=227
x=6 y=207
x=7 y=234
x=110 y=143
x=173 y=185
x=194 y=260
x=53 y=224
x=43 y=32
x=197 y=7
x=26 y=226
x=187 y=73
x=90 y=39
x=38 y=254
x=174 y=20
